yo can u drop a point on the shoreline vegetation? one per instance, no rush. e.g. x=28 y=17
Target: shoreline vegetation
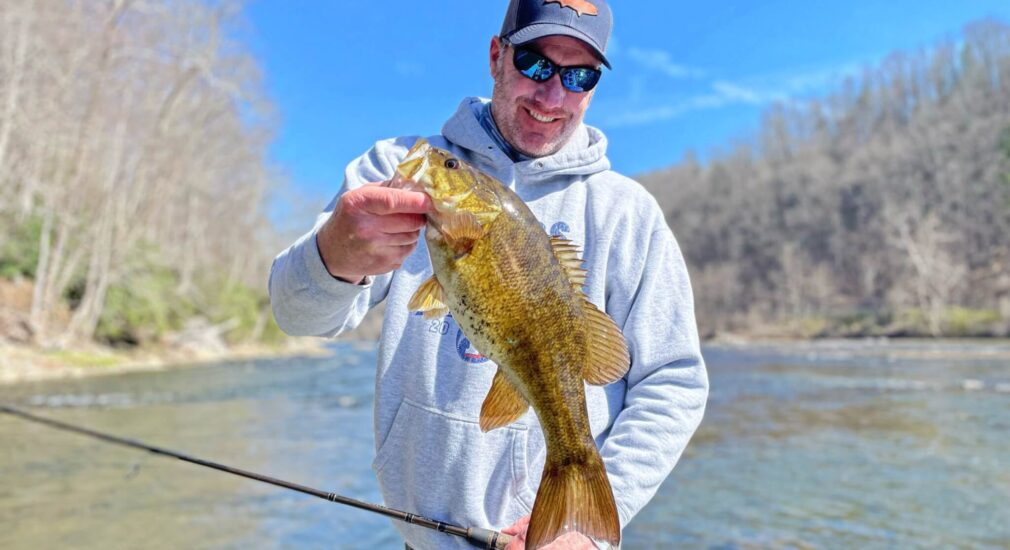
x=26 y=363
x=202 y=345
x=143 y=237
x=21 y=363
x=879 y=208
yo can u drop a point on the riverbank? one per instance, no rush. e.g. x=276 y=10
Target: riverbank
x=877 y=347
x=21 y=363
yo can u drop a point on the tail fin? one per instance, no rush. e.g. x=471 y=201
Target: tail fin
x=574 y=497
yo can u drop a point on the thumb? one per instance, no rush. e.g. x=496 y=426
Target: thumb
x=519 y=527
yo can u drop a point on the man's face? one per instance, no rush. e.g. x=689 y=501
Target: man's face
x=538 y=118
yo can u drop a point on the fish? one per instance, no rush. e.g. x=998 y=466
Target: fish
x=516 y=293
x=580 y=6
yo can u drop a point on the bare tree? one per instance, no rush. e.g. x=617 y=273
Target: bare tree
x=888 y=196
x=135 y=138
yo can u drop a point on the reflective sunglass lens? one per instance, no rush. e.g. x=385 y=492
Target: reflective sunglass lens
x=579 y=80
x=533 y=66
x=540 y=69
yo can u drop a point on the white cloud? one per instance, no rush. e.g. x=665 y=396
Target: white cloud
x=736 y=93
x=647 y=115
x=661 y=62
x=754 y=91
x=818 y=80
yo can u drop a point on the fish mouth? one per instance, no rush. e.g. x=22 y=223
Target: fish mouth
x=411 y=169
x=407 y=183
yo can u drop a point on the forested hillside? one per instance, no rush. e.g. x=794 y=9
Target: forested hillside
x=132 y=172
x=133 y=178
x=880 y=208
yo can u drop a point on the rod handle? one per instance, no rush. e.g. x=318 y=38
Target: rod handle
x=486 y=538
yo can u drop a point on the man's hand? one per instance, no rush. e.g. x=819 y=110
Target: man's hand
x=568 y=541
x=371 y=231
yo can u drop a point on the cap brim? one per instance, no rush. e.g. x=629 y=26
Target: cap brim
x=540 y=30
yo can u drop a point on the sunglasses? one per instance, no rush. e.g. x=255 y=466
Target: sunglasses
x=538 y=68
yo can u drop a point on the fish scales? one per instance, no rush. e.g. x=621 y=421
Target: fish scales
x=516 y=294
x=525 y=311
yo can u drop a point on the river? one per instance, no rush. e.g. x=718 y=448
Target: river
x=819 y=445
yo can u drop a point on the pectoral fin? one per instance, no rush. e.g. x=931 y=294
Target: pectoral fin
x=429 y=299
x=461 y=229
x=608 y=351
x=503 y=404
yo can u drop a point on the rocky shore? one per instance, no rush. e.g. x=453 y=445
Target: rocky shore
x=22 y=363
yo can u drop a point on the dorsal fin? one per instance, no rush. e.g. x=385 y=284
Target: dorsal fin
x=568 y=256
x=608 y=351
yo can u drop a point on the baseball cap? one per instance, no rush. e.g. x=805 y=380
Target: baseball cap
x=587 y=20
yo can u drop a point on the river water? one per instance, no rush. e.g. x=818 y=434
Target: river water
x=825 y=445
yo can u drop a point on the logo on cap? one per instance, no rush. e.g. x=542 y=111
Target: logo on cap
x=580 y=6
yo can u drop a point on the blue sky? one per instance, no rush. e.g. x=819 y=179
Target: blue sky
x=687 y=75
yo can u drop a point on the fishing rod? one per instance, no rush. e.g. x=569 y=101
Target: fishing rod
x=476 y=536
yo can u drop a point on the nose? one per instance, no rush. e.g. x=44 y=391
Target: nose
x=551 y=94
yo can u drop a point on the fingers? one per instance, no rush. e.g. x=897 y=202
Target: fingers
x=374 y=213
x=402 y=239
x=371 y=231
x=391 y=257
x=518 y=527
x=386 y=200
x=518 y=542
x=380 y=231
x=381 y=259
x=571 y=541
x=401 y=223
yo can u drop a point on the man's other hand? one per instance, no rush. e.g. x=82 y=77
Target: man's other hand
x=568 y=541
x=371 y=231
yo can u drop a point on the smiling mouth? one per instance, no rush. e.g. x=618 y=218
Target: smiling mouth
x=541 y=118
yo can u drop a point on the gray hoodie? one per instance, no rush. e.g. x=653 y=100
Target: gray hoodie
x=431 y=456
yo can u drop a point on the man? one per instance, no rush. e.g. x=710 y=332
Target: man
x=431 y=457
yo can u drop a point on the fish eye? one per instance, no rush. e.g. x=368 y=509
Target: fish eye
x=452 y=164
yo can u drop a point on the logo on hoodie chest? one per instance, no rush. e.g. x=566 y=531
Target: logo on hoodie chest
x=444 y=326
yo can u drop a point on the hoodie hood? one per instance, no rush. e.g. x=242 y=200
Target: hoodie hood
x=585 y=153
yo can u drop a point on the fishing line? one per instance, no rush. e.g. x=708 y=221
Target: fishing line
x=476 y=536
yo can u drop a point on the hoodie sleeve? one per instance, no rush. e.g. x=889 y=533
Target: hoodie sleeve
x=667 y=385
x=305 y=298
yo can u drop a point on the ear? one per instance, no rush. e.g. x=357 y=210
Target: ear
x=495 y=52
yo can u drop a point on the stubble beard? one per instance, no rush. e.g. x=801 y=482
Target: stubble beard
x=511 y=130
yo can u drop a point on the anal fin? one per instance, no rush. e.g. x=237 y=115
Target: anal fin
x=503 y=404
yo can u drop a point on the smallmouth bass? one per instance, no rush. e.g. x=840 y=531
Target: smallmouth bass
x=517 y=295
